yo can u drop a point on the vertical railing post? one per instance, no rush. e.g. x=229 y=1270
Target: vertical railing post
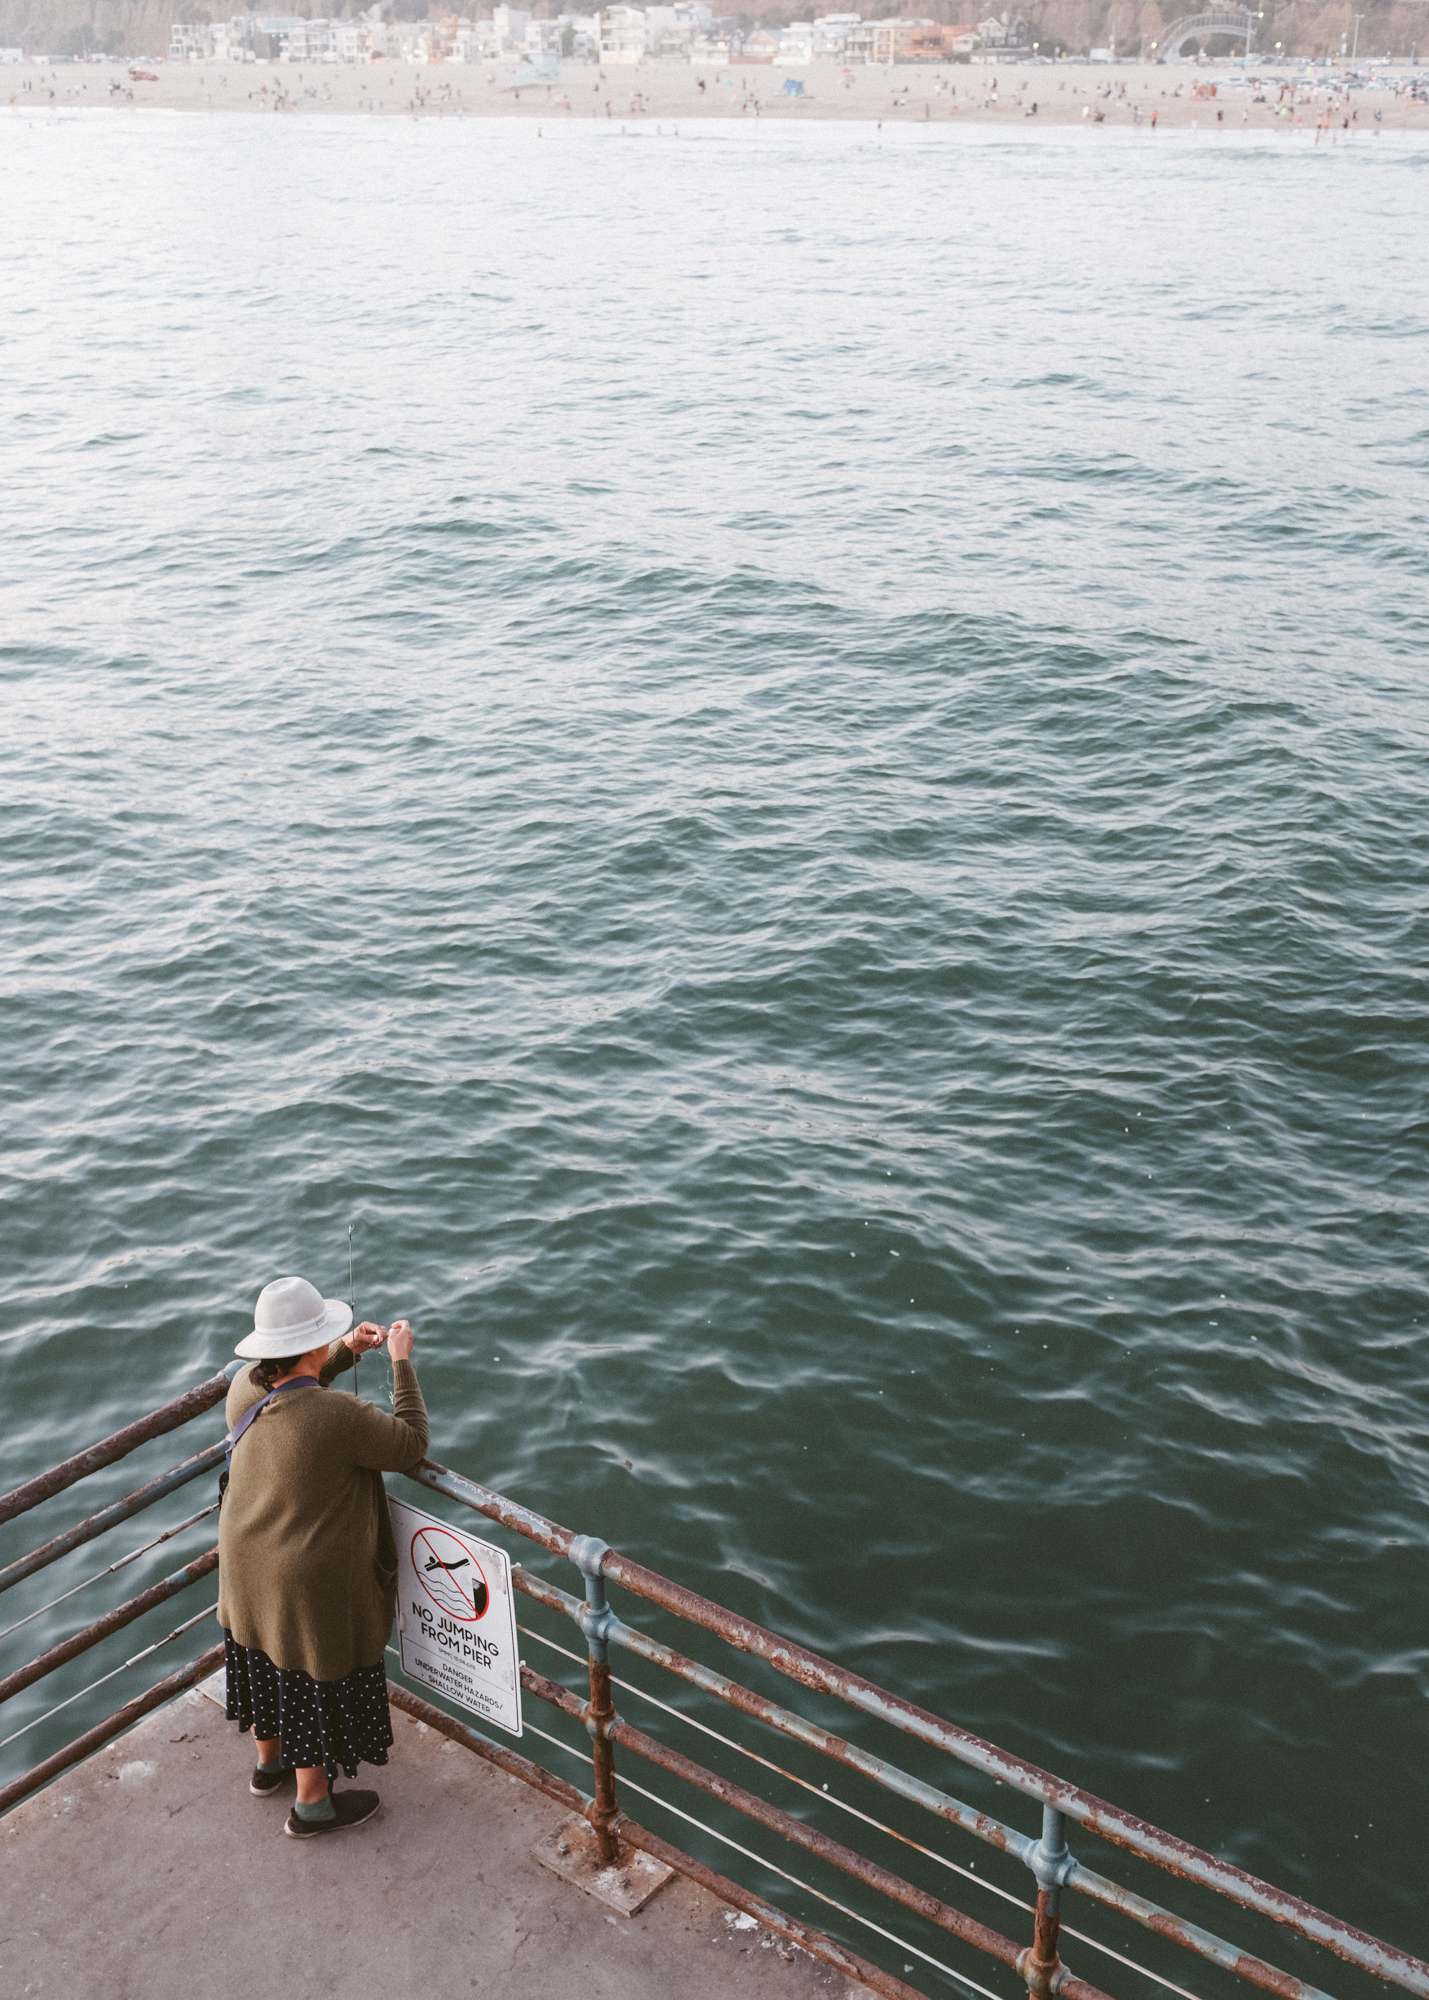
x=588 y=1553
x=1051 y=1863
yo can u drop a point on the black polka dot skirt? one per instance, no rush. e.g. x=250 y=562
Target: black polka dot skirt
x=338 y=1724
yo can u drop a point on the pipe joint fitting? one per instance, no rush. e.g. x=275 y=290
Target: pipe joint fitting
x=596 y=1621
x=1054 y=1867
x=588 y=1552
x=1035 y=1976
x=1048 y=1857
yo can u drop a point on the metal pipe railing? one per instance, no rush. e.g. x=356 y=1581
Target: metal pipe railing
x=103 y=1628
x=761 y=1709
x=824 y=1795
x=931 y=1908
x=112 y=1569
x=108 y=1517
x=598 y=1715
x=112 y=1726
x=495 y=1506
x=1099 y=1816
x=144 y=1653
x=45 y=1485
x=1054 y=1868
x=983 y=1826
x=773 y=1919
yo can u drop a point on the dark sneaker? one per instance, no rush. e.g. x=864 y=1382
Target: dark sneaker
x=263 y=1784
x=349 y=1808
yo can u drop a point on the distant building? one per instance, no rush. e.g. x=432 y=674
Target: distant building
x=1004 y=31
x=796 y=44
x=909 y=42
x=760 y=47
x=511 y=26
x=315 y=42
x=673 y=30
x=543 y=41
x=622 y=35
x=831 y=33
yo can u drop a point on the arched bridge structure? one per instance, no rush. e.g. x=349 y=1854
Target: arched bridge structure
x=1201 y=28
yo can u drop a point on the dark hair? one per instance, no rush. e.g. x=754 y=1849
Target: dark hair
x=266 y=1373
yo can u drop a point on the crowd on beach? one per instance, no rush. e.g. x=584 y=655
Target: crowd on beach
x=1142 y=96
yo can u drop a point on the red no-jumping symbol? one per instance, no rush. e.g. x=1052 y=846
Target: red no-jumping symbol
x=450 y=1574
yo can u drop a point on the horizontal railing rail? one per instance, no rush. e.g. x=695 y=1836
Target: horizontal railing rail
x=1046 y=1856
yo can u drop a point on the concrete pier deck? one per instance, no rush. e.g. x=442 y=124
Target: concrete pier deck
x=151 y=1873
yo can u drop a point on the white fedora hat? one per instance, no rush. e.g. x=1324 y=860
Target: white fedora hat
x=291 y=1317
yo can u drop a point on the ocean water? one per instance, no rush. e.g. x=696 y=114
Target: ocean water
x=790 y=765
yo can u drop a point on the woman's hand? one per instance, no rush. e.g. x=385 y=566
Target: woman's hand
x=364 y=1338
x=399 y=1339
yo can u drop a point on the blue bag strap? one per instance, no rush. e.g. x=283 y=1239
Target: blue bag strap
x=248 y=1417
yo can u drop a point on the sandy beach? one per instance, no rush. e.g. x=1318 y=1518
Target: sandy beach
x=1147 y=96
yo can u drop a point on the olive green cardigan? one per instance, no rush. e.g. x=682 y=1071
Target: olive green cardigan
x=306 y=1559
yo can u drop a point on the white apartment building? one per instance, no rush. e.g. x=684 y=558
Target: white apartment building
x=476 y=42
x=543 y=38
x=315 y=42
x=671 y=30
x=665 y=34
x=223 y=41
x=280 y=29
x=622 y=35
x=796 y=45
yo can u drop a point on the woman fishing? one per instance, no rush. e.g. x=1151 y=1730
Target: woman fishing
x=307 y=1560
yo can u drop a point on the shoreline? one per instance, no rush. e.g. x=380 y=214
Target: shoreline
x=1130 y=96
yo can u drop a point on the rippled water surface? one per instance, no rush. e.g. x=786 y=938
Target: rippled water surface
x=793 y=762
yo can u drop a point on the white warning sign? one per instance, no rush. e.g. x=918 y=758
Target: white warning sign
x=456 y=1619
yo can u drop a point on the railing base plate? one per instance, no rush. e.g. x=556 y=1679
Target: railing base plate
x=569 y=1851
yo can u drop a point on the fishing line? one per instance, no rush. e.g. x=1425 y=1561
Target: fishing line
x=352 y=1302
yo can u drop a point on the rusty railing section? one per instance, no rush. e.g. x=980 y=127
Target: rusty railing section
x=1050 y=1861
